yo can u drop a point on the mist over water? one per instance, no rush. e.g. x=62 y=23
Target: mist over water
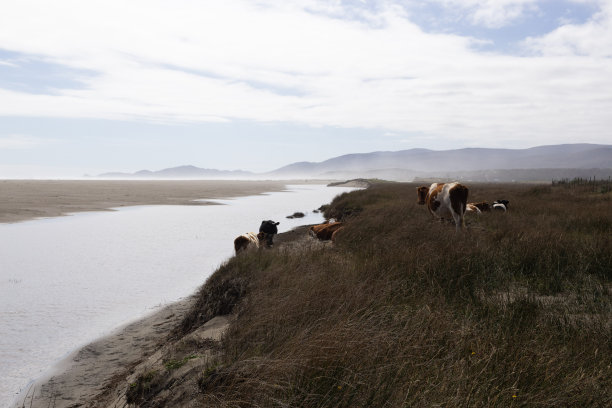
x=66 y=281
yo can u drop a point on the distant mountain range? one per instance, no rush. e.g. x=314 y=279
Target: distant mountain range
x=477 y=164
x=181 y=172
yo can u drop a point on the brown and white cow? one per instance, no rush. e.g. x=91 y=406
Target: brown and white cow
x=324 y=232
x=445 y=201
x=477 y=207
x=247 y=241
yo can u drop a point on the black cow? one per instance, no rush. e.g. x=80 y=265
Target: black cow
x=268 y=227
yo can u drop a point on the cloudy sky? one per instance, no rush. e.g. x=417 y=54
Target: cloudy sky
x=95 y=86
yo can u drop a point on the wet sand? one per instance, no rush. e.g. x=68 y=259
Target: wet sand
x=22 y=200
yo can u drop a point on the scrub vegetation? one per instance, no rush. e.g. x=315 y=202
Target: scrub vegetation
x=404 y=311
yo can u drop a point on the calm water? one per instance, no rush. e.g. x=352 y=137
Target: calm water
x=66 y=281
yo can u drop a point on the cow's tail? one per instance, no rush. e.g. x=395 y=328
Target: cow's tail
x=458 y=197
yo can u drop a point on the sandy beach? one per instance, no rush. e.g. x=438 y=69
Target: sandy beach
x=22 y=200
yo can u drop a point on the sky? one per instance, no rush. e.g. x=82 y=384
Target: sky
x=88 y=87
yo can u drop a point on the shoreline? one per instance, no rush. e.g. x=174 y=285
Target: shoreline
x=97 y=373
x=85 y=373
x=23 y=200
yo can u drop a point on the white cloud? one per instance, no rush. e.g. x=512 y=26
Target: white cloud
x=590 y=39
x=224 y=60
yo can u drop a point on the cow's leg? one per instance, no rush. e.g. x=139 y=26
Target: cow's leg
x=269 y=238
x=459 y=221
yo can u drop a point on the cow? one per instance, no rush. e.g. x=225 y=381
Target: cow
x=325 y=231
x=482 y=206
x=445 y=200
x=268 y=227
x=501 y=205
x=469 y=207
x=313 y=230
x=477 y=208
x=250 y=240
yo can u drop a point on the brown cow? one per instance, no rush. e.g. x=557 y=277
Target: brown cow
x=324 y=232
x=445 y=200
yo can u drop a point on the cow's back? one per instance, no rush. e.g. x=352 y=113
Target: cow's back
x=245 y=241
x=448 y=200
x=324 y=232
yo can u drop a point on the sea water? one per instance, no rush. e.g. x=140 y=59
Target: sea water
x=66 y=281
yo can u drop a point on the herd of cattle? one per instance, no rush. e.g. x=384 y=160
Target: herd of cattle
x=449 y=201
x=445 y=201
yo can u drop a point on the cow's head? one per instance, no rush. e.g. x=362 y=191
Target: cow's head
x=422 y=194
x=269 y=227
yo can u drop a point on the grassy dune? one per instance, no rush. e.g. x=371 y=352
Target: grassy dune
x=403 y=311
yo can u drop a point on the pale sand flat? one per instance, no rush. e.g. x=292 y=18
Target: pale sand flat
x=22 y=200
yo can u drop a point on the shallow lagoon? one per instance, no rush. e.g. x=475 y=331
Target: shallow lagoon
x=66 y=281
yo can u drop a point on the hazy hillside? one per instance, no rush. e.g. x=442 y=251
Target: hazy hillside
x=407 y=164
x=541 y=163
x=181 y=172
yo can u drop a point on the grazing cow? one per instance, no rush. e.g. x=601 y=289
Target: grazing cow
x=483 y=206
x=469 y=207
x=268 y=227
x=313 y=230
x=324 y=232
x=478 y=207
x=445 y=200
x=250 y=240
x=501 y=205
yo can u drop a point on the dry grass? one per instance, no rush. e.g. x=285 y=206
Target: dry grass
x=403 y=311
